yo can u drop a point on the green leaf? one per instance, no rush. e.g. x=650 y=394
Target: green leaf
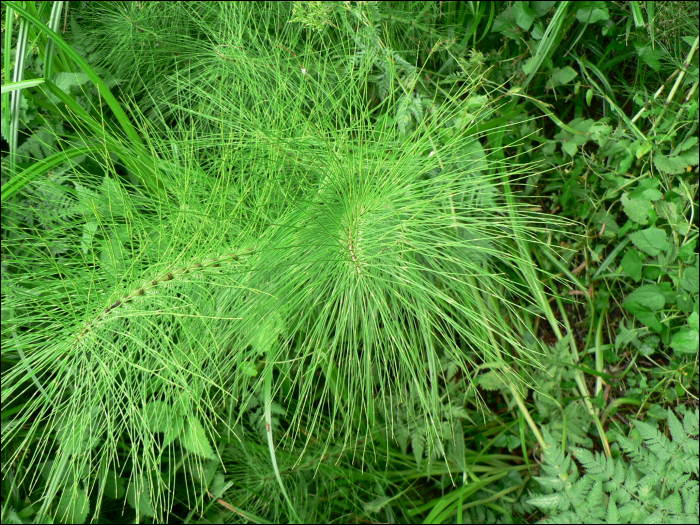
x=636 y=209
x=687 y=144
x=685 y=341
x=523 y=15
x=691 y=157
x=537 y=31
x=649 y=345
x=651 y=57
x=693 y=321
x=646 y=189
x=592 y=12
x=643 y=302
x=196 y=441
x=687 y=251
x=690 y=281
x=626 y=161
x=490 y=381
x=67 y=80
x=40 y=168
x=376 y=505
x=249 y=369
x=643 y=149
x=114 y=485
x=669 y=211
x=561 y=76
x=632 y=264
x=625 y=337
x=589 y=97
x=611 y=514
x=14 y=86
x=528 y=65
x=649 y=318
x=669 y=165
x=685 y=302
x=542 y=8
x=163 y=417
x=649 y=296
x=655 y=411
x=569 y=147
x=142 y=503
x=25 y=513
x=651 y=241
x=73 y=507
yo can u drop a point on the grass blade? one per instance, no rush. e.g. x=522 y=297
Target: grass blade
x=549 y=41
x=99 y=83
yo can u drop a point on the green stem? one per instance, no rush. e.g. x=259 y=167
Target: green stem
x=612 y=407
x=270 y=441
x=526 y=414
x=599 y=361
x=581 y=380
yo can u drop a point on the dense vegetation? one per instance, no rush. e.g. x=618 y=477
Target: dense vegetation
x=341 y=262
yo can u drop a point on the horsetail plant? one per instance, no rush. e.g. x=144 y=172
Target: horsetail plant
x=307 y=251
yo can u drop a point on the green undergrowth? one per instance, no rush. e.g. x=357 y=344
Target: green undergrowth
x=340 y=262
x=654 y=484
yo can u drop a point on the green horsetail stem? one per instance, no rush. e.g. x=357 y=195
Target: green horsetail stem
x=214 y=262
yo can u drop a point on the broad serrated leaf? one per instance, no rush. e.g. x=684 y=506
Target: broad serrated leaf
x=196 y=441
x=490 y=381
x=651 y=57
x=647 y=189
x=693 y=319
x=632 y=264
x=676 y=428
x=691 y=280
x=649 y=296
x=140 y=501
x=73 y=507
x=611 y=514
x=549 y=502
x=637 y=209
x=114 y=485
x=669 y=211
x=418 y=444
x=685 y=341
x=163 y=417
x=691 y=157
x=669 y=165
x=687 y=144
x=651 y=241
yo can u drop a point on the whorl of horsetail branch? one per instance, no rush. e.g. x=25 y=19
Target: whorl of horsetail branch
x=214 y=262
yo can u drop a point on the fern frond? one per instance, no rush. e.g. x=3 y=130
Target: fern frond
x=612 y=490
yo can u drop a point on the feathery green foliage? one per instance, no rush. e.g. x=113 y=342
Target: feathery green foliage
x=657 y=483
x=288 y=262
x=307 y=244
